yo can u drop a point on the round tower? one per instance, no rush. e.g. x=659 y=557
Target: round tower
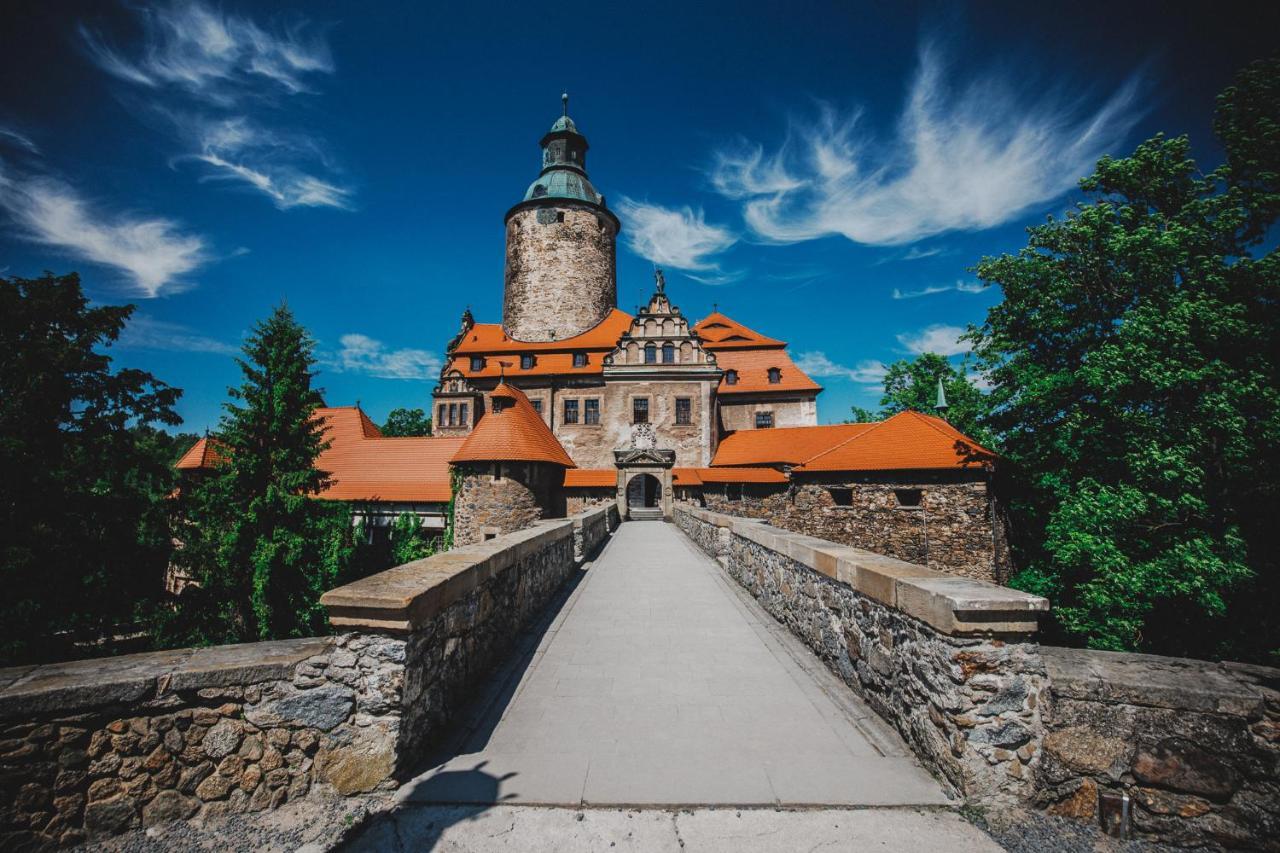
x=560 y=278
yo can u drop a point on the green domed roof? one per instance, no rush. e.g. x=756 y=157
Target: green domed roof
x=563 y=183
x=564 y=164
x=563 y=123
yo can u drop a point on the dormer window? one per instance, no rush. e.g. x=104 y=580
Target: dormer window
x=579 y=359
x=527 y=361
x=477 y=362
x=775 y=376
x=731 y=377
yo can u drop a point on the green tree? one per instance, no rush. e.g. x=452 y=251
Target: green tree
x=262 y=547
x=406 y=422
x=84 y=479
x=913 y=385
x=1135 y=361
x=408 y=540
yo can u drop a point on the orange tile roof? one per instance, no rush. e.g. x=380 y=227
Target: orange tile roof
x=905 y=442
x=515 y=434
x=590 y=478
x=389 y=469
x=741 y=475
x=686 y=477
x=545 y=364
x=204 y=454
x=783 y=445
x=753 y=372
x=718 y=332
x=486 y=338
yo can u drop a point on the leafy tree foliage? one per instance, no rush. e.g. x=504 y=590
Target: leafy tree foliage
x=1135 y=360
x=83 y=477
x=262 y=547
x=409 y=541
x=405 y=422
x=912 y=385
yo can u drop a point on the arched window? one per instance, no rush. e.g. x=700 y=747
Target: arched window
x=775 y=376
x=650 y=353
x=731 y=377
x=668 y=353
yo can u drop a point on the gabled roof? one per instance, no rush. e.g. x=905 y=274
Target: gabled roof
x=512 y=433
x=488 y=338
x=783 y=445
x=718 y=332
x=204 y=454
x=346 y=423
x=905 y=442
x=753 y=372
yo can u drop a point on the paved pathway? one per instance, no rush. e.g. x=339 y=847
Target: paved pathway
x=661 y=683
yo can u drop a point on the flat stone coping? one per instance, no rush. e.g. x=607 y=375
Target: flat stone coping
x=405 y=597
x=1181 y=684
x=81 y=684
x=953 y=605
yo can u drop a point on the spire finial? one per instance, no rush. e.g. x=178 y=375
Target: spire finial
x=564 y=102
x=659 y=279
x=941 y=404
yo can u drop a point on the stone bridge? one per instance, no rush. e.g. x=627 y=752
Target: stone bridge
x=828 y=694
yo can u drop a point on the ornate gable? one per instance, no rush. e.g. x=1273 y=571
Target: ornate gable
x=659 y=338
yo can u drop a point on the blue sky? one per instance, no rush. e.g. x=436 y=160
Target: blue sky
x=825 y=173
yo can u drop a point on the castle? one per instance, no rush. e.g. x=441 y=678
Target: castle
x=570 y=402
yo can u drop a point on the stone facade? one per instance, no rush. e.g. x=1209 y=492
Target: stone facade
x=968 y=698
x=500 y=497
x=739 y=411
x=560 y=271
x=955 y=527
x=1194 y=745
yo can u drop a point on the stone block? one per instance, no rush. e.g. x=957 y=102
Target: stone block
x=245 y=663
x=963 y=607
x=80 y=684
x=877 y=577
x=321 y=708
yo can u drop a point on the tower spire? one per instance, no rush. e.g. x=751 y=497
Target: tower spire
x=941 y=404
x=564 y=103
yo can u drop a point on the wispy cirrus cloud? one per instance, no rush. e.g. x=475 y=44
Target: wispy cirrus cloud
x=869 y=372
x=680 y=238
x=961 y=158
x=12 y=137
x=214 y=56
x=939 y=338
x=960 y=286
x=143 y=332
x=153 y=253
x=363 y=354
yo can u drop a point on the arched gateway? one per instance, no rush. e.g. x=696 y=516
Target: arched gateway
x=644 y=482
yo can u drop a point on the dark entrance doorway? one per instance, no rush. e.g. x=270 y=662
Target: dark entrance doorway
x=643 y=490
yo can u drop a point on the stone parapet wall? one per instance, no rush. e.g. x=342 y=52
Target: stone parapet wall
x=1194 y=745
x=950 y=662
x=93 y=748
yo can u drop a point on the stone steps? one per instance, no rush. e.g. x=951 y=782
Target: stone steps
x=644 y=513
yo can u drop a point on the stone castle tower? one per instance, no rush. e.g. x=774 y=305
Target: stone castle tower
x=560 y=277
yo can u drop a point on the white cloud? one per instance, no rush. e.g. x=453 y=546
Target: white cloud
x=960 y=286
x=238 y=150
x=915 y=253
x=19 y=139
x=680 y=238
x=363 y=354
x=215 y=56
x=152 y=251
x=964 y=159
x=939 y=338
x=816 y=363
x=142 y=332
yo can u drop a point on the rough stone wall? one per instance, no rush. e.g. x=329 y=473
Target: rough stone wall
x=578 y=500
x=591 y=529
x=90 y=749
x=970 y=708
x=1194 y=744
x=736 y=415
x=491 y=506
x=560 y=275
x=954 y=530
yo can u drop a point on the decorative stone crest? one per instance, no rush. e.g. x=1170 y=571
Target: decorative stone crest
x=643 y=437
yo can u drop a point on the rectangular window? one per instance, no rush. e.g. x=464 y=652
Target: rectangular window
x=640 y=410
x=462 y=414
x=909 y=498
x=764 y=420
x=571 y=411
x=453 y=414
x=591 y=411
x=537 y=405
x=579 y=359
x=526 y=361
x=477 y=362
x=650 y=354
x=440 y=418
x=841 y=497
x=684 y=410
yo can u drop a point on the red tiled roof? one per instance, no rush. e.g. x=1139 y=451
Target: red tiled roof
x=753 y=372
x=686 y=477
x=487 y=338
x=545 y=364
x=905 y=442
x=783 y=445
x=590 y=478
x=390 y=469
x=204 y=454
x=741 y=475
x=718 y=332
x=516 y=433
